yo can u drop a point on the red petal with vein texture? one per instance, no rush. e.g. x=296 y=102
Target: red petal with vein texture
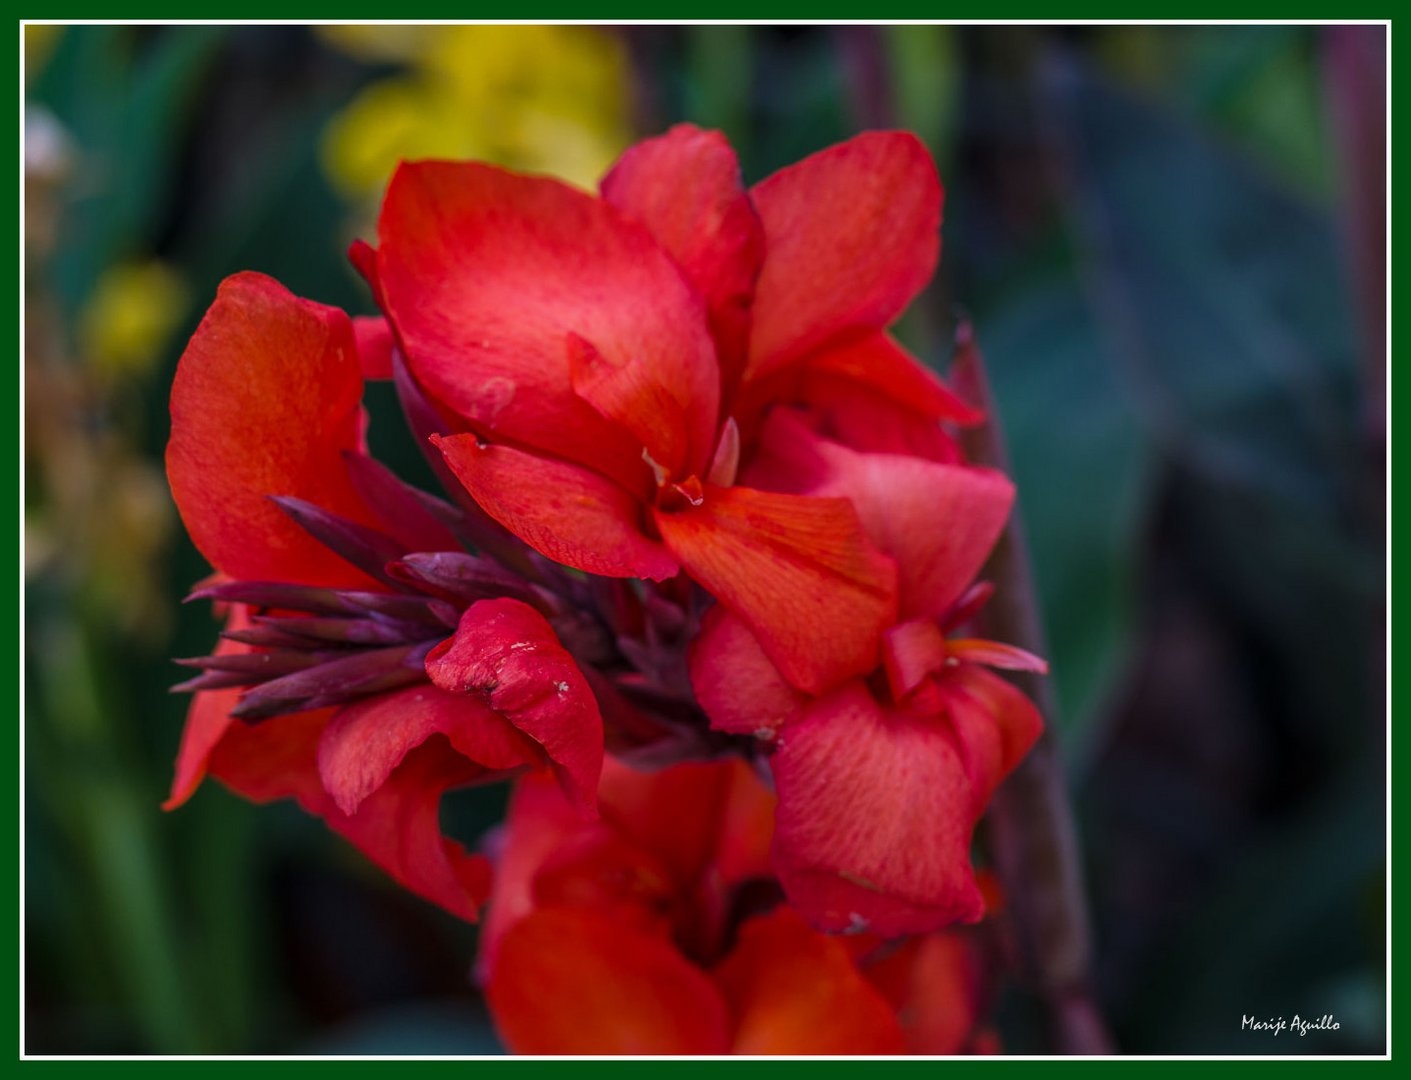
x=265 y=402
x=995 y=724
x=875 y=360
x=369 y=739
x=797 y=571
x=876 y=810
x=851 y=236
x=685 y=187
x=505 y=654
x=938 y=521
x=572 y=981
x=571 y=514
x=736 y=684
x=793 y=990
x=485 y=273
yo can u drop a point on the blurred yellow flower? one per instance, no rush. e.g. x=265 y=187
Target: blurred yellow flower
x=130 y=315
x=550 y=99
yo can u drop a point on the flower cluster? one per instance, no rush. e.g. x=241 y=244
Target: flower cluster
x=700 y=506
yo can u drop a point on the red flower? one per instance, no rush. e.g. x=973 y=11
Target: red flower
x=604 y=356
x=657 y=929
x=882 y=779
x=638 y=934
x=364 y=707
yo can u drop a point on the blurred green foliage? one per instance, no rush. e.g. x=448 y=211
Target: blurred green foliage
x=1143 y=223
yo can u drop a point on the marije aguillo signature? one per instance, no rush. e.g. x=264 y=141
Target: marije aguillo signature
x=1278 y=1025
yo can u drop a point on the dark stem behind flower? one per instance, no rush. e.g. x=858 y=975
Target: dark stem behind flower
x=1031 y=829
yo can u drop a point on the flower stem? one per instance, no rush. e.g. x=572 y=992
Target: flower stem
x=1031 y=830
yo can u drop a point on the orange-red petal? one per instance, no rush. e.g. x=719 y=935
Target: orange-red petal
x=265 y=402
x=938 y=521
x=574 y=981
x=568 y=513
x=793 y=990
x=797 y=570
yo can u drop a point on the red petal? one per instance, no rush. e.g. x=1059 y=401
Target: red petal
x=570 y=514
x=859 y=416
x=369 y=739
x=685 y=187
x=538 y=821
x=735 y=683
x=509 y=657
x=876 y=810
x=265 y=401
x=935 y=984
x=797 y=571
x=793 y=990
x=672 y=813
x=851 y=235
x=206 y=720
x=747 y=831
x=275 y=759
x=994 y=722
x=938 y=521
x=598 y=868
x=398 y=826
x=569 y=981
x=374 y=339
x=629 y=394
x=876 y=361
x=485 y=273
x=910 y=652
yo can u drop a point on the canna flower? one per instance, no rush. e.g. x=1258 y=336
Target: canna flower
x=882 y=779
x=608 y=362
x=369 y=664
x=657 y=929
x=700 y=504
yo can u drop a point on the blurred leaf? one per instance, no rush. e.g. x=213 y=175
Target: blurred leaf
x=85 y=782
x=721 y=80
x=1081 y=464
x=926 y=81
x=1221 y=293
x=125 y=101
x=1220 y=298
